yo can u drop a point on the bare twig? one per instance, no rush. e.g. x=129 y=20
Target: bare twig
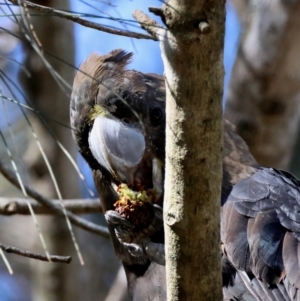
x=75 y=220
x=53 y=258
x=151 y=26
x=75 y=18
x=10 y=206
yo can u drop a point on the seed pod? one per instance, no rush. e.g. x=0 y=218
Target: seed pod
x=135 y=206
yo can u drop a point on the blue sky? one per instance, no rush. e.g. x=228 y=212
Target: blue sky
x=147 y=54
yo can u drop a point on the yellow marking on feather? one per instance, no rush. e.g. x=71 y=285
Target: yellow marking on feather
x=97 y=111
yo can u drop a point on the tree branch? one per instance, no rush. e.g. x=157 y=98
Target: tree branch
x=11 y=206
x=77 y=19
x=151 y=26
x=75 y=220
x=24 y=253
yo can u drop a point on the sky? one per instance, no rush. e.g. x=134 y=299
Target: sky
x=147 y=54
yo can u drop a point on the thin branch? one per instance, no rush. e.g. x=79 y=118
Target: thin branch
x=75 y=18
x=11 y=206
x=53 y=258
x=75 y=220
x=150 y=25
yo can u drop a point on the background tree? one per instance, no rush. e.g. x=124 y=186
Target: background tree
x=263 y=96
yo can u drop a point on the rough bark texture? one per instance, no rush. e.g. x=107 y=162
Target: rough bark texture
x=194 y=73
x=263 y=97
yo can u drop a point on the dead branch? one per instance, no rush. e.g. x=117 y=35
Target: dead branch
x=24 y=253
x=75 y=220
x=75 y=18
x=151 y=26
x=11 y=206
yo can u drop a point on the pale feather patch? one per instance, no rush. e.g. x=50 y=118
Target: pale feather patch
x=117 y=147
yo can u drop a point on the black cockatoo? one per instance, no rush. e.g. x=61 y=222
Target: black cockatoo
x=118 y=123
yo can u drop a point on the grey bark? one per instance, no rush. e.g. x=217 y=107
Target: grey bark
x=263 y=98
x=192 y=53
x=10 y=206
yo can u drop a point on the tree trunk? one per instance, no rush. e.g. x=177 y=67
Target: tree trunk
x=192 y=54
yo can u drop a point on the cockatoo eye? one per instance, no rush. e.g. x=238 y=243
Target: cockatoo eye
x=156 y=115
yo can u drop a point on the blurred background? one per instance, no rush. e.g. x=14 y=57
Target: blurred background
x=39 y=54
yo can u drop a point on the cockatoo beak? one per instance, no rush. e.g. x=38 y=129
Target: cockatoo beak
x=117 y=147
